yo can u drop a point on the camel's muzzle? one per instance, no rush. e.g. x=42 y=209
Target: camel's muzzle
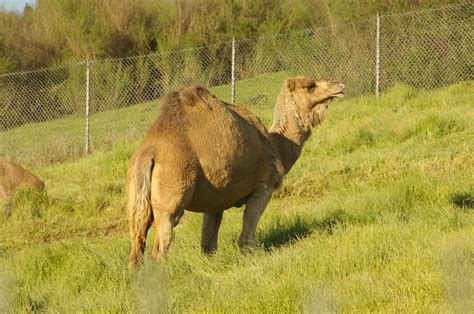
x=338 y=90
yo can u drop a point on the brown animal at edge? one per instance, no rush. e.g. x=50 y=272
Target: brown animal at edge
x=204 y=155
x=12 y=177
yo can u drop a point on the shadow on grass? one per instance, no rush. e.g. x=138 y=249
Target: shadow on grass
x=287 y=232
x=463 y=200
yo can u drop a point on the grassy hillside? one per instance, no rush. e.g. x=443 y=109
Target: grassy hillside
x=376 y=215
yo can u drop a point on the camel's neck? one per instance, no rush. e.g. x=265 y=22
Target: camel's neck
x=290 y=138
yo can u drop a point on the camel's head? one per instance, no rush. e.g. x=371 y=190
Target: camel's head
x=312 y=97
x=309 y=93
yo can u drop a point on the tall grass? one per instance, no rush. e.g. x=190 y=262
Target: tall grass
x=376 y=215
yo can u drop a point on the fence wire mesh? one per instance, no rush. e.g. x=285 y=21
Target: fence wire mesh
x=43 y=112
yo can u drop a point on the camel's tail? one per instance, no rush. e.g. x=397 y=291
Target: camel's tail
x=140 y=200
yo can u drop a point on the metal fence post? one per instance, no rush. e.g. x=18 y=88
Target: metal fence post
x=88 y=71
x=377 y=57
x=233 y=71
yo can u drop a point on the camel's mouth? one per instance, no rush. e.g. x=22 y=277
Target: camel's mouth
x=339 y=94
x=338 y=90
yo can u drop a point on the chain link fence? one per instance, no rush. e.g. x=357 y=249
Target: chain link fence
x=52 y=114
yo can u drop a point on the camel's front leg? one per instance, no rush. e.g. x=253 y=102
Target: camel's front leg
x=253 y=210
x=210 y=230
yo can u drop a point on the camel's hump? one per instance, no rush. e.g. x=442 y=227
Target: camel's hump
x=192 y=95
x=190 y=105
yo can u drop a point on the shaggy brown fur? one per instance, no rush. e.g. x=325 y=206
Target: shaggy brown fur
x=12 y=177
x=204 y=155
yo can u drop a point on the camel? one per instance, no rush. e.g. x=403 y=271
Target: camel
x=12 y=177
x=204 y=155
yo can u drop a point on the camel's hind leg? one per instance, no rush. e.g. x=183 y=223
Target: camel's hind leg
x=210 y=230
x=253 y=211
x=166 y=218
x=168 y=201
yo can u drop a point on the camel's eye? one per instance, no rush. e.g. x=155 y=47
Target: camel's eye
x=311 y=88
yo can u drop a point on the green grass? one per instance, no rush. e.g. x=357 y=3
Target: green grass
x=376 y=215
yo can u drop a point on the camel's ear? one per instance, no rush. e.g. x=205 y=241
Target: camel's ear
x=290 y=84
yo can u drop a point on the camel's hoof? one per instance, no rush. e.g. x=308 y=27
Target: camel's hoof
x=247 y=246
x=209 y=251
